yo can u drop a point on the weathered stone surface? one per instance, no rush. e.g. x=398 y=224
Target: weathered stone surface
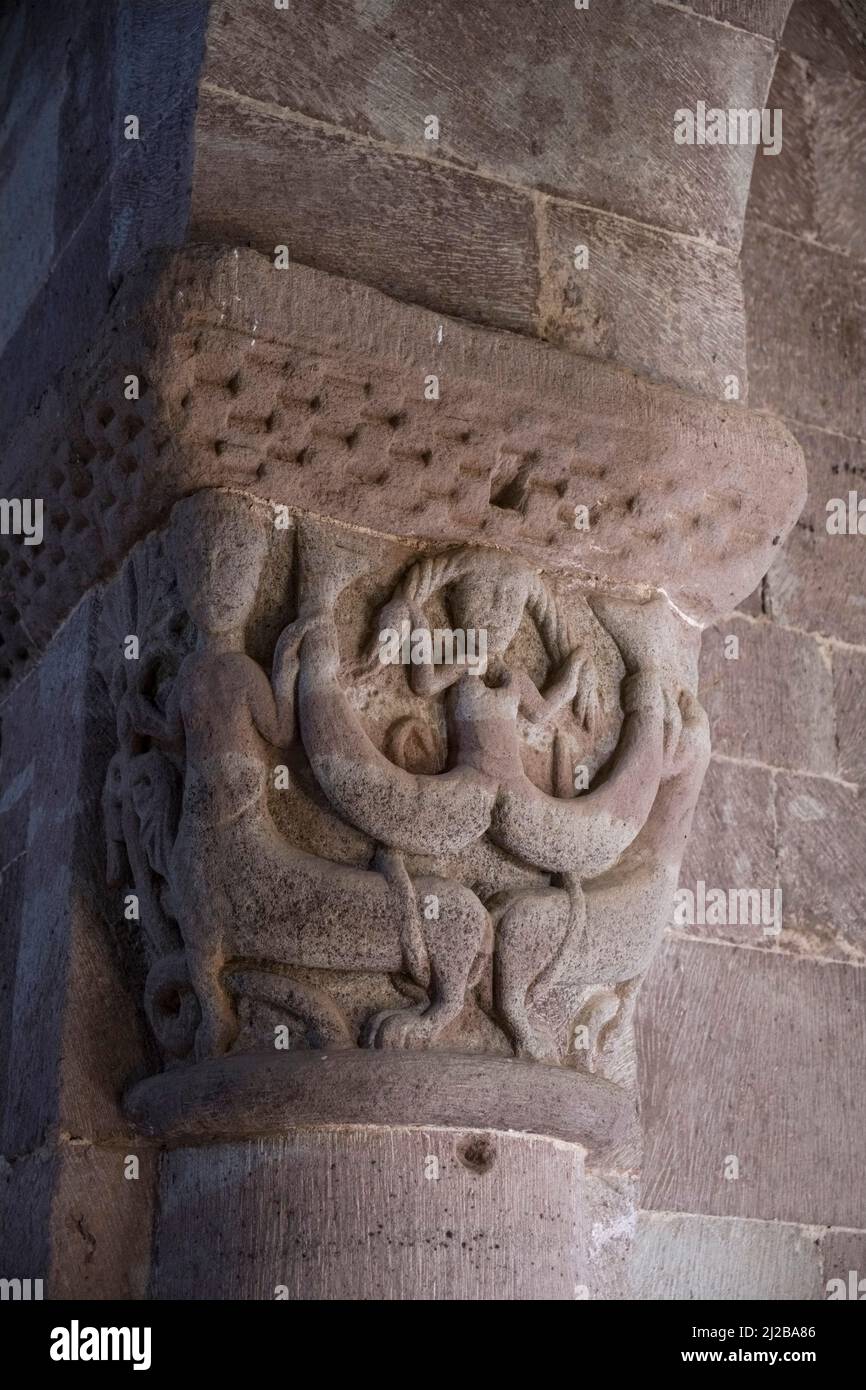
x=102 y=1223
x=27 y=84
x=72 y=79
x=309 y=390
x=602 y=433
x=71 y=1041
x=506 y=1218
x=11 y=885
x=732 y=844
x=759 y=1059
x=816 y=187
x=87 y=135
x=759 y=16
x=467 y=245
x=745 y=694
x=812 y=301
x=818 y=581
x=263 y=1096
x=849 y=683
x=822 y=849
x=708 y=1257
x=17 y=757
x=840 y=163
x=58 y=326
x=26 y=209
x=535 y=121
x=159 y=51
x=783 y=191
x=73 y=1219
x=611 y=1199
x=844 y=1252
x=754 y=604
x=26 y=1189
x=35 y=1017
x=669 y=309
x=821 y=32
x=56 y=119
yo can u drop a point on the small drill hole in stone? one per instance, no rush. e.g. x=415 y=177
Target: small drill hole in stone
x=477 y=1153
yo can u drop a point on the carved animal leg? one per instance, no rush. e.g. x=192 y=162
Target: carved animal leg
x=413 y=946
x=572 y=946
x=529 y=930
x=219 y=1025
x=323 y=1021
x=205 y=959
x=455 y=937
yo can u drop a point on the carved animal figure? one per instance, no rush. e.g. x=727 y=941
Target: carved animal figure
x=539 y=933
x=435 y=814
x=240 y=890
x=249 y=903
x=625 y=909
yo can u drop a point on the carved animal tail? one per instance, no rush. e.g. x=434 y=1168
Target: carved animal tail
x=575 y=933
x=416 y=960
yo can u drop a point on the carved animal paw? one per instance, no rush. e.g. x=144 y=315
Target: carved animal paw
x=416 y=1027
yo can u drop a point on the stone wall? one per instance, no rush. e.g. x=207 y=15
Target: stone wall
x=79 y=205
x=768 y=1030
x=80 y=200
x=566 y=141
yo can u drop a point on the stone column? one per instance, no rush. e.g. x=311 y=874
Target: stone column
x=401 y=664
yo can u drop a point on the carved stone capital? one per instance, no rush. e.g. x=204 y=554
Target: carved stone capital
x=407 y=740
x=390 y=798
x=331 y=817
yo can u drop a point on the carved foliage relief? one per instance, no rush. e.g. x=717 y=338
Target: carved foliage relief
x=344 y=829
